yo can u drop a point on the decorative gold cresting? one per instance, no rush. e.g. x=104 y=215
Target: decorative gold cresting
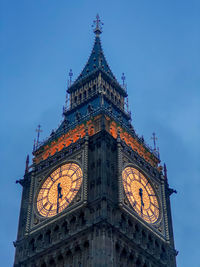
x=98 y=25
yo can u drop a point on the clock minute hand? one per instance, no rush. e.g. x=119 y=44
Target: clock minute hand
x=141 y=196
x=57 y=204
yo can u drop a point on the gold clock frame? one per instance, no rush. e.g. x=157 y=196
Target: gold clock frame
x=125 y=202
x=74 y=201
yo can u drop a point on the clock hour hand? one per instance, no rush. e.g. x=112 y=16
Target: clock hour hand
x=59 y=188
x=141 y=196
x=59 y=191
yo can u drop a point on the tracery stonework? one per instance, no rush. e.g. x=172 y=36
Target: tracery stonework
x=95 y=194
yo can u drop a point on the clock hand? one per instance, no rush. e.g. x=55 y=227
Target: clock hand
x=59 y=191
x=141 y=196
x=57 y=205
x=59 y=188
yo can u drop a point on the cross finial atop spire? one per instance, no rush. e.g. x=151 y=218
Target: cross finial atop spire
x=98 y=25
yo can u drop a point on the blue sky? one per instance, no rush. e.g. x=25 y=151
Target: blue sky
x=155 y=43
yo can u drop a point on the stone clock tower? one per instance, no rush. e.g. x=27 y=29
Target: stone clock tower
x=96 y=194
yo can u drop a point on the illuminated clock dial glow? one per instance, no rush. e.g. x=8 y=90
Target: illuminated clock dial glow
x=140 y=194
x=59 y=189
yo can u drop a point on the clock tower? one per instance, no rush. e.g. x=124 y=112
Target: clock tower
x=96 y=193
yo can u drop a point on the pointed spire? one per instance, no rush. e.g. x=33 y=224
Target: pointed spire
x=34 y=145
x=66 y=101
x=70 y=77
x=123 y=79
x=38 y=130
x=96 y=62
x=98 y=25
x=97 y=59
x=165 y=171
x=27 y=164
x=154 y=138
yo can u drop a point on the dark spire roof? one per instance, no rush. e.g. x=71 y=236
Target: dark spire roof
x=96 y=61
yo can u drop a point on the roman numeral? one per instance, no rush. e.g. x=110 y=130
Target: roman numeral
x=148 y=216
x=154 y=205
x=51 y=178
x=134 y=203
x=62 y=208
x=49 y=210
x=69 y=168
x=133 y=176
x=75 y=172
x=76 y=179
x=127 y=183
x=41 y=199
x=139 y=176
x=73 y=189
x=45 y=204
x=152 y=211
x=127 y=173
x=41 y=209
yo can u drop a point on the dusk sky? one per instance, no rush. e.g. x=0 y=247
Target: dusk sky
x=155 y=43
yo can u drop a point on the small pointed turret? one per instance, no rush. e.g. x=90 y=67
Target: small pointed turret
x=165 y=172
x=27 y=164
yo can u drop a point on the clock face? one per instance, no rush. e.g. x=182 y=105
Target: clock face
x=140 y=194
x=59 y=189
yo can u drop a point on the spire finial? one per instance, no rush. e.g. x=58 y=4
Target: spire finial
x=98 y=25
x=38 y=130
x=123 y=79
x=70 y=77
x=154 y=138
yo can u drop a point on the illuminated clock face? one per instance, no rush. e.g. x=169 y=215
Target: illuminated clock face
x=59 y=189
x=140 y=194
